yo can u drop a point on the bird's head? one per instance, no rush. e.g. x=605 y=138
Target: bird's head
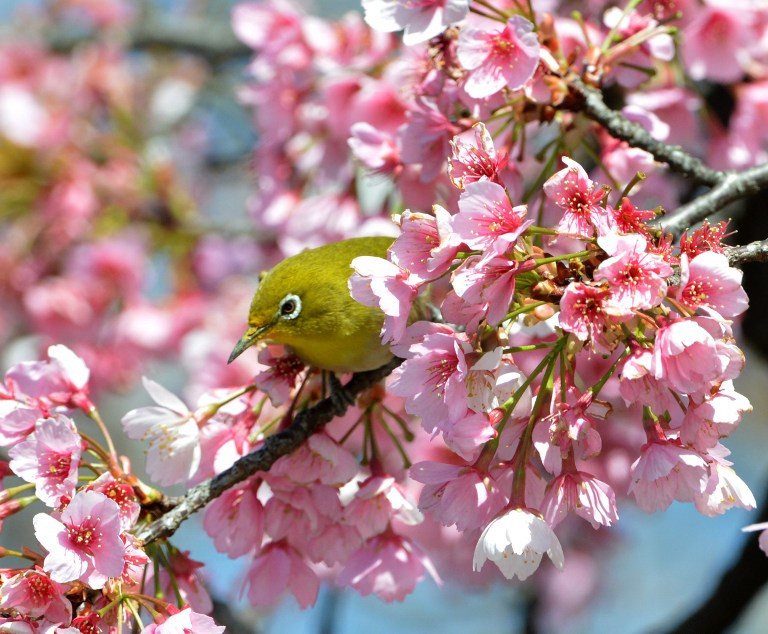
x=281 y=310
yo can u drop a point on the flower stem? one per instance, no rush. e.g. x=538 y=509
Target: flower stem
x=533 y=346
x=96 y=417
x=566 y=256
x=525 y=309
x=595 y=389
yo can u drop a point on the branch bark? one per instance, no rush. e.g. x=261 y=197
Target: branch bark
x=753 y=252
x=734 y=186
x=306 y=423
x=637 y=136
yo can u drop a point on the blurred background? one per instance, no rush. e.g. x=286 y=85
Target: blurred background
x=135 y=214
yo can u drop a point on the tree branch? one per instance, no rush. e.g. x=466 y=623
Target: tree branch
x=306 y=423
x=735 y=185
x=753 y=252
x=637 y=136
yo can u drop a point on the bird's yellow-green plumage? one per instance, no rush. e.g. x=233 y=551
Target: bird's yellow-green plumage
x=304 y=303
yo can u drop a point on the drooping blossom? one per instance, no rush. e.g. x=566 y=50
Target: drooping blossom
x=432 y=380
x=460 y=495
x=572 y=190
x=426 y=247
x=492 y=380
x=172 y=432
x=716 y=416
x=279 y=377
x=49 y=457
x=278 y=568
x=319 y=459
x=185 y=621
x=708 y=280
x=388 y=565
x=377 y=501
x=667 y=471
x=725 y=490
x=489 y=282
x=637 y=278
x=516 y=541
x=486 y=220
x=17 y=420
x=421 y=19
x=426 y=135
x=235 y=521
x=496 y=58
x=380 y=283
x=583 y=494
x=84 y=544
x=685 y=356
x=638 y=383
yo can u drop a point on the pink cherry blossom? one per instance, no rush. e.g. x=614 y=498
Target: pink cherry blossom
x=426 y=247
x=471 y=162
x=235 y=521
x=639 y=385
x=715 y=44
x=49 y=457
x=279 y=378
x=17 y=421
x=278 y=568
x=460 y=495
x=185 y=621
x=591 y=313
x=432 y=379
x=706 y=238
x=380 y=283
x=725 y=490
x=685 y=356
x=468 y=434
x=492 y=380
x=629 y=219
x=763 y=538
x=34 y=594
x=122 y=494
x=667 y=471
x=425 y=137
x=498 y=57
x=378 y=500
x=319 y=459
x=715 y=417
x=173 y=434
x=637 y=278
x=421 y=19
x=375 y=149
x=708 y=280
x=516 y=541
x=489 y=282
x=486 y=219
x=387 y=565
x=85 y=543
x=186 y=580
x=583 y=494
x=572 y=190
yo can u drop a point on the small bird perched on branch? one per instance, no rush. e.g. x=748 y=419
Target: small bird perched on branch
x=304 y=303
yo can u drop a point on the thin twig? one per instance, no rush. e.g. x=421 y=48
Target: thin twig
x=306 y=423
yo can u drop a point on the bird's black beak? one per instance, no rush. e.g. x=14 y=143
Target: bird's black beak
x=246 y=341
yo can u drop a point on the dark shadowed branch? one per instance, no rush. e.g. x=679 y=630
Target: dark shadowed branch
x=734 y=186
x=736 y=589
x=620 y=127
x=306 y=423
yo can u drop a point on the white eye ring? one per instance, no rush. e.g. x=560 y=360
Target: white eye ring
x=290 y=307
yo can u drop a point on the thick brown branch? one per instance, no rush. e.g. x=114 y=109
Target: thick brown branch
x=734 y=186
x=637 y=136
x=306 y=423
x=752 y=252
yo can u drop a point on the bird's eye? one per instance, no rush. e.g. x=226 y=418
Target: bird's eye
x=290 y=307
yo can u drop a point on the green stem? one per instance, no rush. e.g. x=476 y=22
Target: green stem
x=407 y=433
x=96 y=417
x=566 y=256
x=398 y=445
x=490 y=7
x=607 y=42
x=533 y=346
x=595 y=389
x=518 y=479
x=525 y=309
x=533 y=230
x=638 y=177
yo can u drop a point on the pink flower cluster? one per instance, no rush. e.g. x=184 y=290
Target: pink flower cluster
x=94 y=505
x=528 y=440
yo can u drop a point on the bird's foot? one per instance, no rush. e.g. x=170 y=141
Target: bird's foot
x=340 y=398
